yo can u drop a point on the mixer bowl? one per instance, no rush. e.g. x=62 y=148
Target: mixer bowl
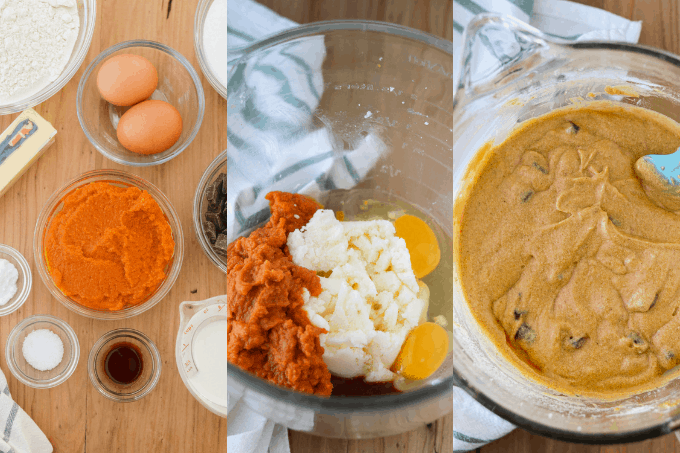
x=344 y=111
x=535 y=75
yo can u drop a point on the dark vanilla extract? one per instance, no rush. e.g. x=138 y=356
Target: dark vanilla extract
x=359 y=387
x=124 y=363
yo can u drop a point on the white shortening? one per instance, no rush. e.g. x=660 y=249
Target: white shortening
x=370 y=301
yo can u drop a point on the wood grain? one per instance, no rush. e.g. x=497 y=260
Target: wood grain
x=435 y=17
x=660 y=28
x=74 y=416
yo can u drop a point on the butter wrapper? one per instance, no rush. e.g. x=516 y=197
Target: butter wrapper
x=21 y=144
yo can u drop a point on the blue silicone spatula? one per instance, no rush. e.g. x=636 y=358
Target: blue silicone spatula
x=660 y=175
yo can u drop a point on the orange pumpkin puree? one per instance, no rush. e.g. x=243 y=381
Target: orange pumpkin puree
x=269 y=333
x=108 y=248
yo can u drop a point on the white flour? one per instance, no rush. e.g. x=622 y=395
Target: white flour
x=36 y=41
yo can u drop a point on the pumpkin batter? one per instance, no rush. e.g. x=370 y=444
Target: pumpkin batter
x=569 y=267
x=269 y=333
x=109 y=246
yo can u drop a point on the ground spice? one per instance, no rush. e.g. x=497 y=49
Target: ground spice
x=109 y=246
x=269 y=333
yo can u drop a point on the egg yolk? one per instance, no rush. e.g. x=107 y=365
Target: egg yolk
x=421 y=243
x=423 y=351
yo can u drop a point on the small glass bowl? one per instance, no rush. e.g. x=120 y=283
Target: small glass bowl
x=217 y=166
x=24 y=372
x=121 y=179
x=151 y=368
x=199 y=27
x=24 y=282
x=87 y=15
x=178 y=84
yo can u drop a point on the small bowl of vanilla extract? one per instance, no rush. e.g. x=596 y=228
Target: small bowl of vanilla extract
x=124 y=365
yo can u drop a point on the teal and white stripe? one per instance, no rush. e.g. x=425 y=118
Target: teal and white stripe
x=270 y=141
x=20 y=434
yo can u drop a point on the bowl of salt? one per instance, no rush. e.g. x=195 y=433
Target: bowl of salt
x=42 y=351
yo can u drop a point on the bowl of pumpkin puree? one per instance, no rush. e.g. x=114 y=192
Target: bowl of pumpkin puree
x=108 y=245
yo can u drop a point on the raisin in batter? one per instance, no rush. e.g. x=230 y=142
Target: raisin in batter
x=565 y=261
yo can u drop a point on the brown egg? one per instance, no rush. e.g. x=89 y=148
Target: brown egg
x=149 y=127
x=127 y=79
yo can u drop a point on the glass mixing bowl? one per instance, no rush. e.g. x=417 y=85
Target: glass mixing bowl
x=537 y=74
x=178 y=85
x=119 y=179
x=87 y=14
x=377 y=116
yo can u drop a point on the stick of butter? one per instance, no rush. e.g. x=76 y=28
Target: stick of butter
x=22 y=143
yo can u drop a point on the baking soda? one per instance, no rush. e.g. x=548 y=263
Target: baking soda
x=8 y=280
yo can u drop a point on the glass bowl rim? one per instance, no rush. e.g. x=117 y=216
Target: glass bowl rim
x=301 y=30
x=67 y=74
x=156 y=363
x=199 y=22
x=152 y=45
x=387 y=28
x=23 y=325
x=124 y=178
x=478 y=394
x=23 y=292
x=203 y=183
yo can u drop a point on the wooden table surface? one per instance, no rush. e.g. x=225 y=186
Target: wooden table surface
x=74 y=416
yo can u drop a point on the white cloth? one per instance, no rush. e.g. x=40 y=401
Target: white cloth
x=18 y=432
x=303 y=164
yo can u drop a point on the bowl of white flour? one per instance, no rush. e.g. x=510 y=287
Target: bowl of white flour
x=42 y=45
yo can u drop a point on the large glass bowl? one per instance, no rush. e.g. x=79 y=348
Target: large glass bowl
x=379 y=119
x=120 y=179
x=534 y=75
x=87 y=14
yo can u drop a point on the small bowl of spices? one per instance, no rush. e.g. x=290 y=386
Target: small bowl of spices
x=15 y=280
x=42 y=351
x=140 y=103
x=108 y=245
x=124 y=365
x=210 y=212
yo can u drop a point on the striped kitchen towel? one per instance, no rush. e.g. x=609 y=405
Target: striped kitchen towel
x=286 y=87
x=20 y=433
x=271 y=146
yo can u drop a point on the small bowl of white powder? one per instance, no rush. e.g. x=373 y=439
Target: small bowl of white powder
x=15 y=280
x=42 y=351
